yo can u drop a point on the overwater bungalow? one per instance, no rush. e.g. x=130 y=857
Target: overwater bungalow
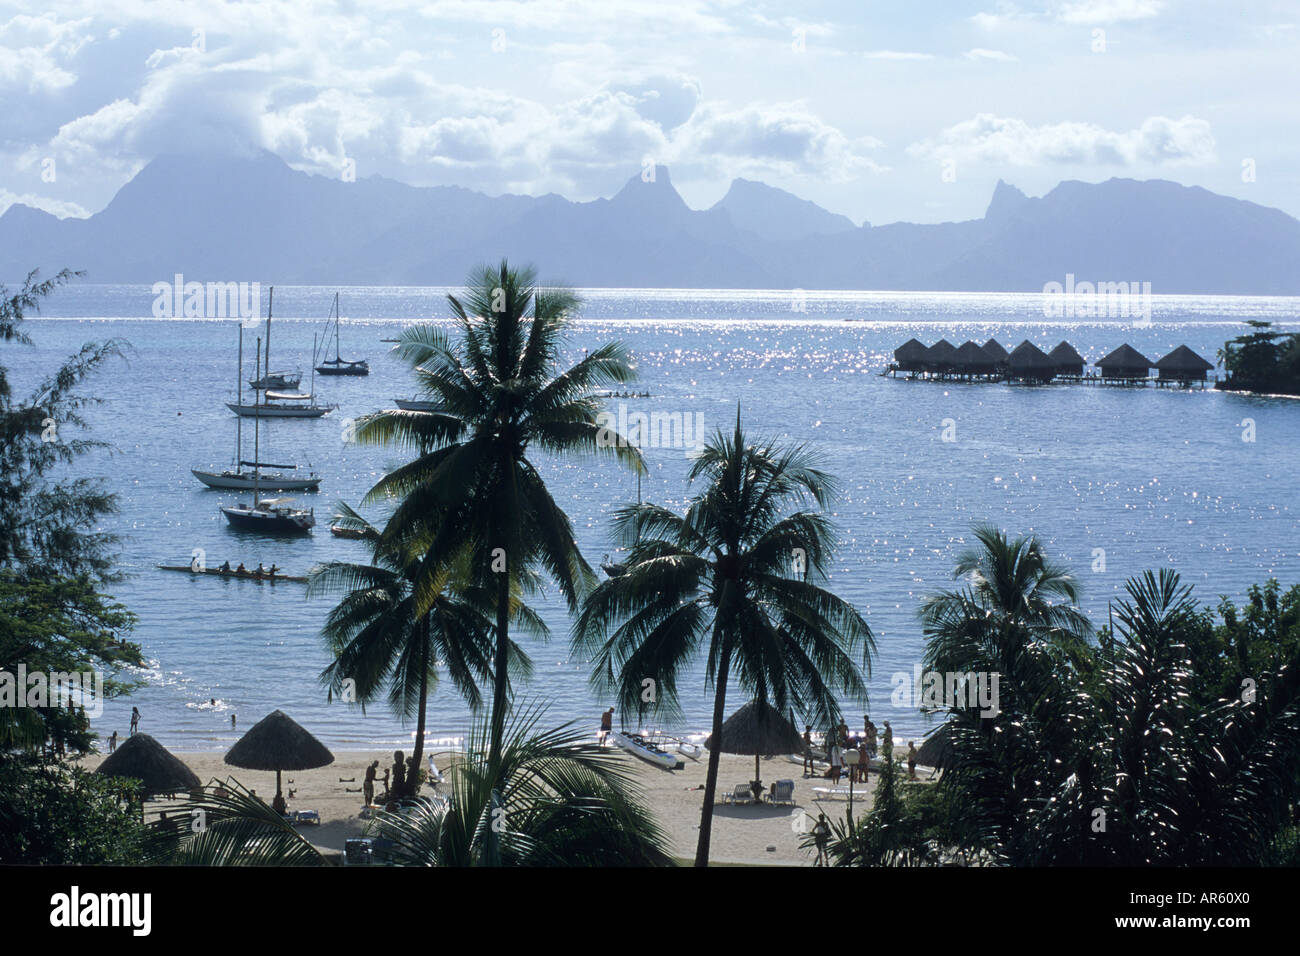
x=911 y=356
x=1028 y=363
x=1182 y=366
x=995 y=349
x=971 y=361
x=1125 y=364
x=940 y=357
x=1069 y=363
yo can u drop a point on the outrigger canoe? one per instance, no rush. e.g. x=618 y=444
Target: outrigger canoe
x=639 y=746
x=245 y=576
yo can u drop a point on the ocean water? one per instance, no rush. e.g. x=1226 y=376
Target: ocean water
x=1149 y=477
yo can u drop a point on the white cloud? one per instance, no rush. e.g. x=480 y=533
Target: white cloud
x=786 y=138
x=979 y=53
x=897 y=55
x=1002 y=141
x=36 y=53
x=1110 y=11
x=56 y=207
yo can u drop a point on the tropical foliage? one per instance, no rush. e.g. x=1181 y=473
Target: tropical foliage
x=472 y=492
x=388 y=632
x=550 y=797
x=1262 y=360
x=736 y=580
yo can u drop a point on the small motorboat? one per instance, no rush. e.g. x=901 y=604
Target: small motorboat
x=270 y=516
x=276 y=380
x=643 y=747
x=352 y=534
x=411 y=405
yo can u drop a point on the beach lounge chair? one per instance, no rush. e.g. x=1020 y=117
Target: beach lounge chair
x=742 y=795
x=783 y=793
x=828 y=792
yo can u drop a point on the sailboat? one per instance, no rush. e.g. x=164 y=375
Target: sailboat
x=278 y=404
x=267 y=515
x=239 y=479
x=269 y=379
x=337 y=365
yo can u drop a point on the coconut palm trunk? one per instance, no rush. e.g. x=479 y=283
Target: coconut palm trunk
x=501 y=683
x=417 y=755
x=715 y=758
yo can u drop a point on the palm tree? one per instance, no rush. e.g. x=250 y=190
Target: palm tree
x=547 y=798
x=1014 y=617
x=738 y=579
x=386 y=631
x=499 y=392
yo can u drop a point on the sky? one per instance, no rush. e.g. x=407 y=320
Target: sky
x=882 y=111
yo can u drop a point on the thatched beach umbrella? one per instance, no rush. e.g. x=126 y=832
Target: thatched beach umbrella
x=1067 y=360
x=1124 y=362
x=910 y=356
x=277 y=742
x=146 y=760
x=935 y=750
x=760 y=729
x=1183 y=365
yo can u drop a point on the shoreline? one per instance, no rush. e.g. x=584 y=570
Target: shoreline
x=746 y=835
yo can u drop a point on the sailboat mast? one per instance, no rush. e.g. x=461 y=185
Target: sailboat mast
x=257 y=423
x=313 y=368
x=270 y=301
x=336 y=329
x=239 y=400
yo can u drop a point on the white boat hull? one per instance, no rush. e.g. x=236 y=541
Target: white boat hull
x=626 y=742
x=279 y=411
x=244 y=481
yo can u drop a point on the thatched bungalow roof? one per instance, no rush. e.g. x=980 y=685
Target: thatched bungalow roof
x=910 y=354
x=995 y=349
x=971 y=358
x=758 y=729
x=277 y=742
x=1183 y=359
x=142 y=757
x=941 y=354
x=1066 y=358
x=1124 y=362
x=1027 y=355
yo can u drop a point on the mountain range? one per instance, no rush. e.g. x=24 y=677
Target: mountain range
x=257 y=219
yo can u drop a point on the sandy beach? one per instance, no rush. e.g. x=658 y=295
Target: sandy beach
x=755 y=834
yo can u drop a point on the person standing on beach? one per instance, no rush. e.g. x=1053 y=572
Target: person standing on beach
x=606 y=725
x=864 y=762
x=808 y=767
x=232 y=721
x=911 y=760
x=399 y=773
x=871 y=735
x=821 y=836
x=887 y=743
x=368 y=787
x=135 y=720
x=112 y=742
x=837 y=760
